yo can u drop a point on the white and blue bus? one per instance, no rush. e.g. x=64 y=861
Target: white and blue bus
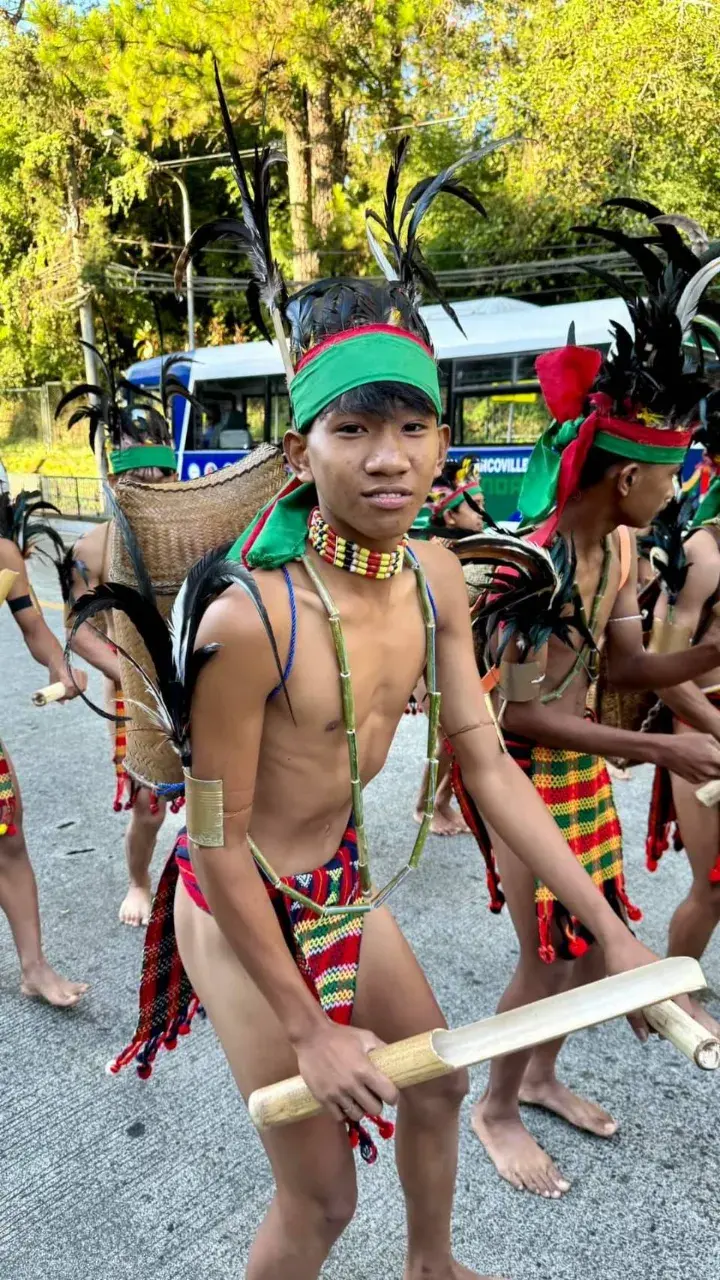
x=491 y=396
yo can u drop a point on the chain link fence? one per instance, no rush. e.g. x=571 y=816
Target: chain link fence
x=40 y=453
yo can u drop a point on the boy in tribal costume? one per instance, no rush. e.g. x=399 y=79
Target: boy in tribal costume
x=622 y=425
x=139 y=436
x=18 y=889
x=676 y=815
x=287 y=731
x=454 y=510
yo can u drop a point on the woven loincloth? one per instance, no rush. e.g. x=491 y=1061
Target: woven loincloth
x=663 y=828
x=326 y=950
x=576 y=789
x=8 y=799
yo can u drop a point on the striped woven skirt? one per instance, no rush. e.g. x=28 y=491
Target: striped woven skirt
x=8 y=799
x=663 y=827
x=326 y=951
x=576 y=788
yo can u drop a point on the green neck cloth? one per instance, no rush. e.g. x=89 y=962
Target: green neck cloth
x=376 y=353
x=279 y=532
x=709 y=508
x=143 y=455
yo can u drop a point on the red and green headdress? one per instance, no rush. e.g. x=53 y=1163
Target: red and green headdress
x=641 y=402
x=337 y=334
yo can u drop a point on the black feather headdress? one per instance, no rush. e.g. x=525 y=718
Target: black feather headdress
x=649 y=373
x=328 y=307
x=663 y=545
x=176 y=663
x=23 y=521
x=528 y=594
x=124 y=413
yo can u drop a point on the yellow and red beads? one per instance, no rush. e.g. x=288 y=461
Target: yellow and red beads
x=348 y=555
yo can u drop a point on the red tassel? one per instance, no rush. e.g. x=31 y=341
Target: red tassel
x=577 y=946
x=545 y=914
x=154 y=803
x=715 y=873
x=634 y=913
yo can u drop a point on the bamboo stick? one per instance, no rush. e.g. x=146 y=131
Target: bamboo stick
x=437 y=1053
x=689 y=1036
x=51 y=693
x=7 y=578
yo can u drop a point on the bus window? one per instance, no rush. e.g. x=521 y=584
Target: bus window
x=517 y=417
x=279 y=410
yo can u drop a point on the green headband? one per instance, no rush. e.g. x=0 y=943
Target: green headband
x=451 y=504
x=143 y=455
x=375 y=354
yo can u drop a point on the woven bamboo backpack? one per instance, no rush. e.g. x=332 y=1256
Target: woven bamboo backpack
x=175 y=524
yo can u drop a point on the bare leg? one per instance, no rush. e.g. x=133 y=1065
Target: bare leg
x=312 y=1162
x=19 y=901
x=140 y=840
x=496 y=1119
x=447 y=821
x=696 y=918
x=426 y=1141
x=540 y=1086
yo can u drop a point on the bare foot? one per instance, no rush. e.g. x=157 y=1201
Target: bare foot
x=445 y=822
x=135 y=906
x=41 y=982
x=553 y=1096
x=517 y=1156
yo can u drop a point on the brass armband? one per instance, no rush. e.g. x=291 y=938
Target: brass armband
x=520 y=681
x=669 y=637
x=7 y=578
x=204 y=812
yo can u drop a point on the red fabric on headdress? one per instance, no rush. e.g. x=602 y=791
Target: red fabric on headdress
x=566 y=377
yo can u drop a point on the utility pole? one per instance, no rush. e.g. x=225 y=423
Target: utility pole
x=87 y=320
x=187 y=232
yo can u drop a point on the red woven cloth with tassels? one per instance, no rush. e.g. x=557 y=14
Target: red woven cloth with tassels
x=663 y=827
x=8 y=800
x=326 y=951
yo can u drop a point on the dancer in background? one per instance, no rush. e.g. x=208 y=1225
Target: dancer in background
x=138 y=439
x=18 y=888
x=622 y=426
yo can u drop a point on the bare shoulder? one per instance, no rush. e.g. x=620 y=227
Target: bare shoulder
x=444 y=577
x=702 y=548
x=10 y=557
x=234 y=622
x=90 y=548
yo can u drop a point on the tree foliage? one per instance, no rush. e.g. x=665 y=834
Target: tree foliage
x=618 y=96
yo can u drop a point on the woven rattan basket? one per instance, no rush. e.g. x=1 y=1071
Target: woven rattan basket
x=175 y=524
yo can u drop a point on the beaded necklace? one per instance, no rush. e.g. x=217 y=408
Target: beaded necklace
x=349 y=555
x=371 y=898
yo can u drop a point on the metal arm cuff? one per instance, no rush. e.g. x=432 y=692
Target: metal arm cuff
x=669 y=637
x=204 y=812
x=520 y=681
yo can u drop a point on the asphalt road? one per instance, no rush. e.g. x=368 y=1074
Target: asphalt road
x=110 y=1179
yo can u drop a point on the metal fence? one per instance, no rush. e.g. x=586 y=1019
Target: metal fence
x=77 y=498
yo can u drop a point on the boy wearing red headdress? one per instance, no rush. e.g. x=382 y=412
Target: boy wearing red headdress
x=284 y=696
x=622 y=425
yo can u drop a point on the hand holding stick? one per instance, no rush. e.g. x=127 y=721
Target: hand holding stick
x=437 y=1053
x=51 y=693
